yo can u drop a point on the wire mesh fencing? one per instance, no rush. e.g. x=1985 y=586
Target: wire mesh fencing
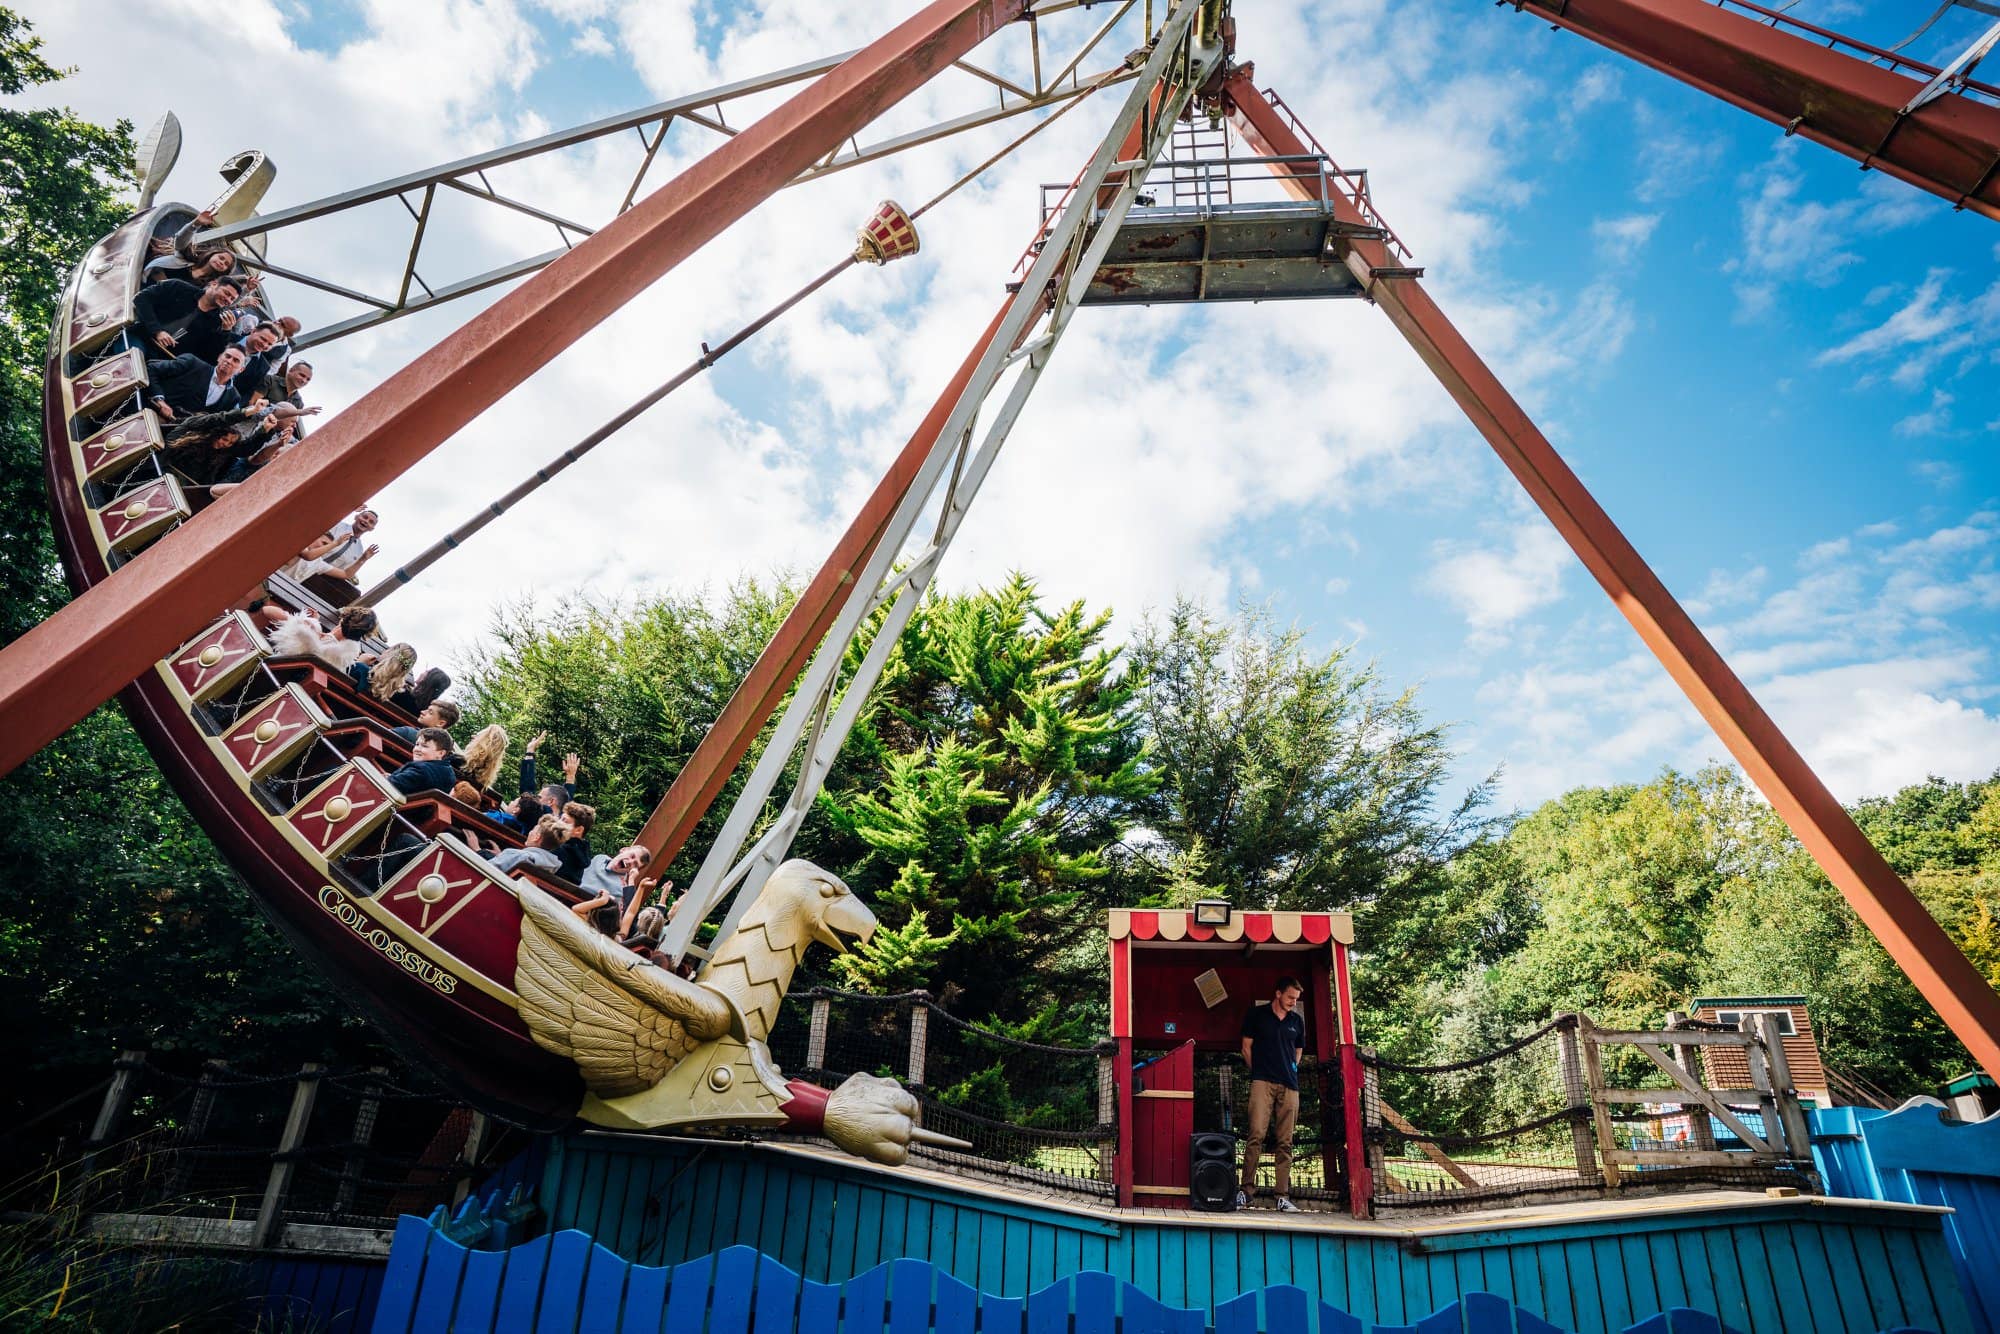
x=1032 y=1112
x=1571 y=1109
x=1506 y=1124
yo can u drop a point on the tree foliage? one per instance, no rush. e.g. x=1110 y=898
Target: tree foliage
x=119 y=925
x=1301 y=782
x=631 y=689
x=998 y=759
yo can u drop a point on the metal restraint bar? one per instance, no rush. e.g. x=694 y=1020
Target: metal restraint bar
x=823 y=710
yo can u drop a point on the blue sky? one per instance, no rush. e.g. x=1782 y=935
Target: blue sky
x=1776 y=372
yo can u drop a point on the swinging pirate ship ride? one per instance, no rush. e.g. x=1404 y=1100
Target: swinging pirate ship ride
x=487 y=979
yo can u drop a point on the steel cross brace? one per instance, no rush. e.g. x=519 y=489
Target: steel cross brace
x=823 y=710
x=81 y=656
x=418 y=191
x=1920 y=947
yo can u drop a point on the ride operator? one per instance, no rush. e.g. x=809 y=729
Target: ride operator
x=1273 y=1037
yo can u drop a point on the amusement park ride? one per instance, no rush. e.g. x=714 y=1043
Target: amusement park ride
x=489 y=978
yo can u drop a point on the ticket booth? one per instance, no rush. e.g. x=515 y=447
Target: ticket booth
x=1181 y=981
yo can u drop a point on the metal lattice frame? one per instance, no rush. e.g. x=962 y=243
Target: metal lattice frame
x=823 y=709
x=1055 y=81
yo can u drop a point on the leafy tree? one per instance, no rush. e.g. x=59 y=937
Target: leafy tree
x=119 y=925
x=631 y=689
x=998 y=759
x=61 y=181
x=1302 y=781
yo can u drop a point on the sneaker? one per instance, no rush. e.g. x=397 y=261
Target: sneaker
x=1285 y=1205
x=1242 y=1200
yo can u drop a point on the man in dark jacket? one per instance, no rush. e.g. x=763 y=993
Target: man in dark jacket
x=174 y=316
x=188 y=386
x=430 y=764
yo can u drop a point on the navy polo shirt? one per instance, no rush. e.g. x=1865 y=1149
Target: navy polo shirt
x=1274 y=1044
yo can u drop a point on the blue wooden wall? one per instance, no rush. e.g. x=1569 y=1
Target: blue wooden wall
x=1769 y=1269
x=565 y=1282
x=1915 y=1156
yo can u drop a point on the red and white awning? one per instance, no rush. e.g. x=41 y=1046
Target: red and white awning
x=1276 y=928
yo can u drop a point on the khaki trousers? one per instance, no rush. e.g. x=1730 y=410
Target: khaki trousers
x=1272 y=1107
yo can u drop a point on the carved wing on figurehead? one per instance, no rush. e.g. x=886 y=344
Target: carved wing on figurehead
x=625 y=1022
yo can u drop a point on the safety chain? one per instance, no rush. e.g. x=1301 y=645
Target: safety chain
x=1562 y=1022
x=1380 y=1135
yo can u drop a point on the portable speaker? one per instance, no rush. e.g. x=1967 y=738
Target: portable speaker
x=1212 y=1172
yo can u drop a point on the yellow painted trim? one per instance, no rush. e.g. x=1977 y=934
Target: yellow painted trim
x=1187 y=1094
x=1161 y=1190
x=1120 y=925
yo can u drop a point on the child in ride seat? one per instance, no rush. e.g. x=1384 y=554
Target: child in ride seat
x=429 y=768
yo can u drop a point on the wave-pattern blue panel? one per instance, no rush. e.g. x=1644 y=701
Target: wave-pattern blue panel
x=567 y=1282
x=1762 y=1266
x=1914 y=1156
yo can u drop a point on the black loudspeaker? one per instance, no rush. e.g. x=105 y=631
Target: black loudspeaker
x=1212 y=1172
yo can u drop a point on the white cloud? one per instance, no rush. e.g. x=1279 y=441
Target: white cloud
x=591 y=41
x=1619 y=240
x=1492 y=587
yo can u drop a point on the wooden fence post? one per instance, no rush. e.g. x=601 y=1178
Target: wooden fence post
x=1107 y=1114
x=469 y=1156
x=365 y=1116
x=1577 y=1095
x=271 y=1213
x=1701 y=1128
x=199 y=1114
x=124 y=1079
x=1600 y=1112
x=1767 y=1099
x=920 y=1034
x=822 y=1013
x=1792 y=1118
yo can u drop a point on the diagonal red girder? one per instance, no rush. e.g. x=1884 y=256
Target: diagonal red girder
x=81 y=656
x=771 y=677
x=1950 y=147
x=1920 y=947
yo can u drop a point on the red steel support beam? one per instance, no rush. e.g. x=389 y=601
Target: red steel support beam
x=701 y=779
x=1950 y=147
x=1920 y=947
x=82 y=655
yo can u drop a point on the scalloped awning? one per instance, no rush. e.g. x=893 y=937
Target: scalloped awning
x=1275 y=928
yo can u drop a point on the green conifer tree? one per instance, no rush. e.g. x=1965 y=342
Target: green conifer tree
x=1000 y=757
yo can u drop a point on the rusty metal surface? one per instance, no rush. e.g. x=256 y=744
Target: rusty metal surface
x=1950 y=147
x=80 y=657
x=1920 y=947
x=1242 y=254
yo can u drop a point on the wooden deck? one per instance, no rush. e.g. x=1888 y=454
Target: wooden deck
x=1763 y=1265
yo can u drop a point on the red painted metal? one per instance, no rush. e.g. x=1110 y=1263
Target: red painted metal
x=1962 y=997
x=701 y=779
x=1360 y=1177
x=77 y=659
x=1800 y=78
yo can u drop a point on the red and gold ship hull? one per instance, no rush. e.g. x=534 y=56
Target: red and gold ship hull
x=279 y=760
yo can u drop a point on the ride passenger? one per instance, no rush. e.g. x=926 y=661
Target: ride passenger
x=484 y=756
x=429 y=768
x=187 y=385
x=576 y=849
x=537 y=852
x=177 y=317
